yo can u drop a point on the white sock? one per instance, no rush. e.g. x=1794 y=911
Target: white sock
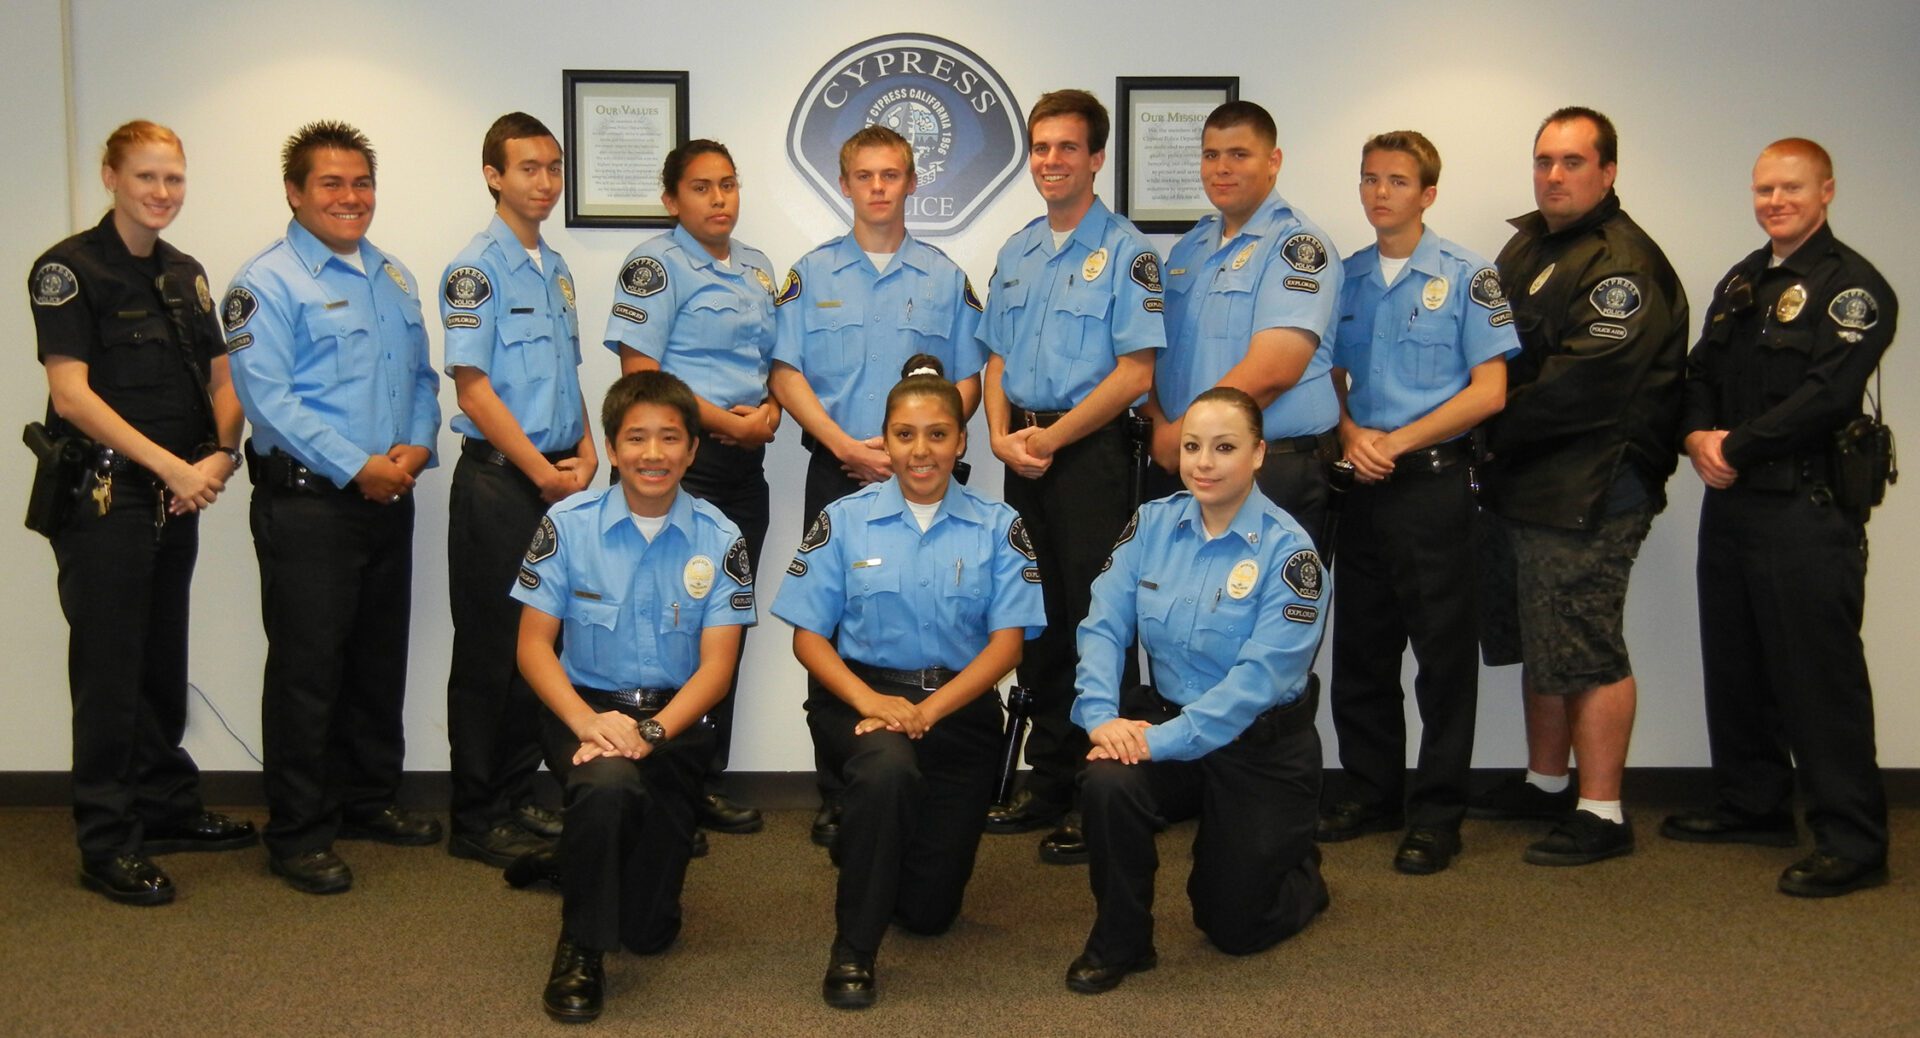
x=1547 y=783
x=1607 y=809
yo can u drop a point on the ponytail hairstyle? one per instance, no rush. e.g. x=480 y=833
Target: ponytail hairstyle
x=1239 y=401
x=924 y=375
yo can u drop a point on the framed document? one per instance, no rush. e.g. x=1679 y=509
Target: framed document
x=1157 y=181
x=619 y=128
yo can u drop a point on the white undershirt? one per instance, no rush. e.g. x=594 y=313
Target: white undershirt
x=879 y=261
x=649 y=525
x=1390 y=268
x=1060 y=238
x=352 y=259
x=1774 y=261
x=923 y=514
x=534 y=255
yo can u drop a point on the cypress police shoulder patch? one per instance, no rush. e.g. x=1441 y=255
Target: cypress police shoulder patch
x=819 y=533
x=1146 y=271
x=972 y=297
x=546 y=540
x=738 y=564
x=1855 y=309
x=789 y=289
x=1020 y=541
x=467 y=288
x=643 y=276
x=54 y=284
x=1126 y=534
x=1485 y=289
x=237 y=309
x=1305 y=253
x=1615 y=298
x=1302 y=573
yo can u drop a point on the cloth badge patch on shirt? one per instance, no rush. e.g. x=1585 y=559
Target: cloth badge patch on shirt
x=1485 y=289
x=766 y=279
x=1302 y=574
x=789 y=289
x=1240 y=259
x=1434 y=296
x=630 y=313
x=741 y=600
x=1146 y=271
x=1240 y=581
x=202 y=293
x=1031 y=574
x=1018 y=539
x=738 y=564
x=1616 y=298
x=529 y=579
x=1153 y=304
x=819 y=533
x=1607 y=330
x=797 y=568
x=467 y=288
x=1094 y=265
x=566 y=288
x=463 y=321
x=54 y=285
x=1305 y=253
x=1126 y=534
x=1540 y=279
x=546 y=541
x=1301 y=614
x=697 y=577
x=972 y=298
x=398 y=278
x=238 y=309
x=1300 y=284
x=1855 y=309
x=1500 y=318
x=1790 y=303
x=643 y=277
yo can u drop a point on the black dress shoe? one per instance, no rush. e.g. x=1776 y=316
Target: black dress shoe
x=1350 y=818
x=1066 y=845
x=826 y=823
x=393 y=824
x=1090 y=976
x=538 y=820
x=1823 y=875
x=576 y=986
x=1723 y=824
x=129 y=879
x=724 y=816
x=1425 y=850
x=849 y=981
x=1515 y=799
x=534 y=866
x=1582 y=838
x=1023 y=814
x=315 y=872
x=205 y=831
x=699 y=848
x=499 y=846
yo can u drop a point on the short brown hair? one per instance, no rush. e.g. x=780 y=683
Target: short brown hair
x=1606 y=143
x=1074 y=102
x=296 y=156
x=1805 y=149
x=875 y=136
x=139 y=131
x=1244 y=113
x=648 y=387
x=1408 y=142
x=512 y=126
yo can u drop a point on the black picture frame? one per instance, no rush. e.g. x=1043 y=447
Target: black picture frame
x=1185 y=100
x=617 y=154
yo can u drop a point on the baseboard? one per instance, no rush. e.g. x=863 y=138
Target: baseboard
x=784 y=790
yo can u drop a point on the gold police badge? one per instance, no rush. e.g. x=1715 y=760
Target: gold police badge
x=205 y=294
x=1534 y=288
x=1241 y=580
x=697 y=577
x=566 y=288
x=1244 y=255
x=398 y=278
x=1094 y=265
x=766 y=279
x=1790 y=303
x=1434 y=296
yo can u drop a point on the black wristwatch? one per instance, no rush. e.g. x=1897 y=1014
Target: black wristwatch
x=652 y=732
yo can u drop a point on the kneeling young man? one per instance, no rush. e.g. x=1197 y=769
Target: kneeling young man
x=653 y=590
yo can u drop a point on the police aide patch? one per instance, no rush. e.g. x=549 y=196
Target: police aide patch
x=467 y=288
x=546 y=541
x=643 y=276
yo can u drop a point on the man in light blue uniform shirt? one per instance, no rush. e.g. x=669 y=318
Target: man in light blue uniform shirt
x=328 y=348
x=1420 y=359
x=513 y=353
x=1251 y=292
x=1073 y=325
x=850 y=313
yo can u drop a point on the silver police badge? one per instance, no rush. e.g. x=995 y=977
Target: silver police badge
x=967 y=131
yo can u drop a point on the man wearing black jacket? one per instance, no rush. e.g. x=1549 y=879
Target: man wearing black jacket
x=1579 y=461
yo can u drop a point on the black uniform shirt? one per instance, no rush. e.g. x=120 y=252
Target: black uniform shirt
x=1786 y=354
x=96 y=302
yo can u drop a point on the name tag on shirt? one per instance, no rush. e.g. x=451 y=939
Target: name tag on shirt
x=521 y=310
x=827 y=304
x=336 y=304
x=591 y=596
x=1150 y=585
x=866 y=563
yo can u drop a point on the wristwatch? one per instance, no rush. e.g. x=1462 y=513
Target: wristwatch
x=652 y=732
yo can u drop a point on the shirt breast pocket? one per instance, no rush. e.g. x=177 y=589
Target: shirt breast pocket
x=333 y=333
x=1429 y=356
x=139 y=352
x=873 y=595
x=1786 y=354
x=1081 y=314
x=528 y=340
x=835 y=338
x=1222 y=625
x=1228 y=310
x=589 y=630
x=930 y=320
x=964 y=598
x=1155 y=614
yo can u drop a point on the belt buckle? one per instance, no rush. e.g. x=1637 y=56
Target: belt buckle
x=926 y=682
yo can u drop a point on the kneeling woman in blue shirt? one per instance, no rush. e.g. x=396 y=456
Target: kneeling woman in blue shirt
x=931 y=589
x=653 y=590
x=1226 y=594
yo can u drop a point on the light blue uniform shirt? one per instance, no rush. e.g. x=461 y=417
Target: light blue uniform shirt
x=632 y=610
x=516 y=324
x=1060 y=320
x=1408 y=349
x=1231 y=624
x=908 y=600
x=1280 y=271
x=848 y=328
x=330 y=364
x=708 y=323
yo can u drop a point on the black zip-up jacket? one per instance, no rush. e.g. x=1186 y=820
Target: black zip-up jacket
x=1603 y=334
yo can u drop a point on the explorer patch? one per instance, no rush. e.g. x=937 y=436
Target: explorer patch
x=630 y=313
x=529 y=579
x=463 y=321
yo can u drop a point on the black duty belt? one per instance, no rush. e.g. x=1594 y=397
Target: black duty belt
x=106 y=461
x=1285 y=719
x=645 y=700
x=926 y=680
x=1326 y=443
x=279 y=470
x=1023 y=418
x=486 y=453
x=1438 y=458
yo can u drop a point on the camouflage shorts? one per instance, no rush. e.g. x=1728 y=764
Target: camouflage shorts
x=1556 y=599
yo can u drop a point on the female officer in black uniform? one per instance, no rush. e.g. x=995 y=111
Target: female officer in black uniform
x=138 y=380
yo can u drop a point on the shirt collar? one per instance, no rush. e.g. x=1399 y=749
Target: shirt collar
x=1426 y=255
x=314 y=254
x=510 y=246
x=1088 y=233
x=1818 y=244
x=1535 y=225
x=912 y=253
x=614 y=511
x=888 y=501
x=1246 y=522
x=697 y=254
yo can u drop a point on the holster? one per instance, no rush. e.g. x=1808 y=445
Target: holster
x=1861 y=464
x=60 y=465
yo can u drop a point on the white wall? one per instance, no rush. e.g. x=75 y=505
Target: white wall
x=1696 y=89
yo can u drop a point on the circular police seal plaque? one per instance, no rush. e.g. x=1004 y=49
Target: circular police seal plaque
x=967 y=131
